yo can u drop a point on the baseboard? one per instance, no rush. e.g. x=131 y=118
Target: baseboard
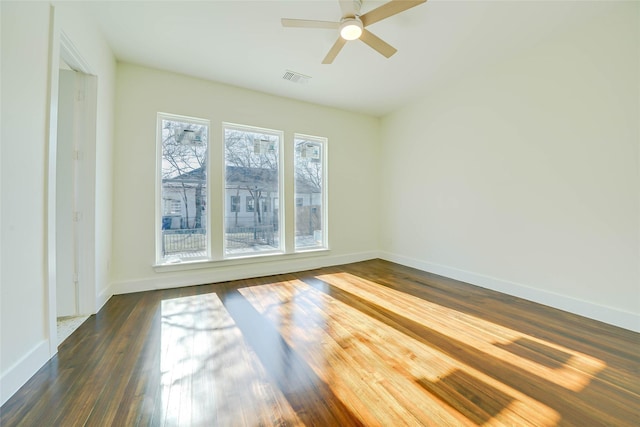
x=21 y=371
x=235 y=272
x=103 y=297
x=612 y=316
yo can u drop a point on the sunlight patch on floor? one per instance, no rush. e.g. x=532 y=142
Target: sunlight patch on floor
x=574 y=372
x=209 y=376
x=350 y=351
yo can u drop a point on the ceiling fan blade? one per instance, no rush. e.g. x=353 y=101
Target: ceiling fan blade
x=306 y=23
x=388 y=9
x=335 y=49
x=377 y=43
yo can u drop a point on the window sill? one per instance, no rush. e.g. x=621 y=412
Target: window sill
x=238 y=260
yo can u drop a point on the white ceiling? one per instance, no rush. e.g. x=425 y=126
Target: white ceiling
x=243 y=43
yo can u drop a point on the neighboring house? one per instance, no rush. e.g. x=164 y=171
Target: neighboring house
x=251 y=200
x=184 y=200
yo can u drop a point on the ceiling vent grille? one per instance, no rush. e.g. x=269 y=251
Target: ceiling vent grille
x=294 y=77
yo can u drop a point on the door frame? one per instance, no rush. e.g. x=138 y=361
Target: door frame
x=61 y=46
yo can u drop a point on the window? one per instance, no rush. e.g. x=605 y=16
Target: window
x=252 y=203
x=235 y=204
x=252 y=168
x=310 y=206
x=183 y=143
x=265 y=204
x=172 y=207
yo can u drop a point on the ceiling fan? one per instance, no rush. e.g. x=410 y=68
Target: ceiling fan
x=352 y=26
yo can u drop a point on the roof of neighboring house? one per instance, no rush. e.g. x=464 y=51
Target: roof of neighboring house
x=242 y=177
x=194 y=176
x=236 y=175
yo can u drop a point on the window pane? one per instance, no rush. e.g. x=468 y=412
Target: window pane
x=252 y=173
x=235 y=204
x=184 y=189
x=309 y=193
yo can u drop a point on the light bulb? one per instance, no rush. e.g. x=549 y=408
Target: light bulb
x=351 y=29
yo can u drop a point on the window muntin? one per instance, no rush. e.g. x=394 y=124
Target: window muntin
x=252 y=170
x=183 y=143
x=310 y=192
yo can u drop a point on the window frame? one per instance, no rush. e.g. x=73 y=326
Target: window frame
x=160 y=117
x=217 y=203
x=281 y=189
x=324 y=143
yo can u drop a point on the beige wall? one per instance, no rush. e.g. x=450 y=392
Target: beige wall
x=24 y=80
x=353 y=174
x=524 y=176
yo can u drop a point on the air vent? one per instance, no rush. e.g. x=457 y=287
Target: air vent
x=294 y=77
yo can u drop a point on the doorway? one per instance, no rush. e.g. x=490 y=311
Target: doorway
x=68 y=313
x=66 y=198
x=74 y=294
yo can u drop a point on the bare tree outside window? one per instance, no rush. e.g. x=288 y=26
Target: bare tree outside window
x=184 y=179
x=309 y=164
x=252 y=170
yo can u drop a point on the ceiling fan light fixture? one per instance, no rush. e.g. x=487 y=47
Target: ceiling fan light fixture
x=351 y=29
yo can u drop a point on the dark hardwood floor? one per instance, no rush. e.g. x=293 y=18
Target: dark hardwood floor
x=370 y=343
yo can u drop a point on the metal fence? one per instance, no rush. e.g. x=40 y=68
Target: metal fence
x=187 y=240
x=245 y=237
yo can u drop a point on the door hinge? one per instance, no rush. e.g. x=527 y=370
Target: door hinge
x=77 y=216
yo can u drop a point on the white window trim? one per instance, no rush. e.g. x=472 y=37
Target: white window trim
x=158 y=202
x=324 y=142
x=216 y=244
x=281 y=170
x=246 y=260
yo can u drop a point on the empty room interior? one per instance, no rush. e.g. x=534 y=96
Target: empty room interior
x=295 y=212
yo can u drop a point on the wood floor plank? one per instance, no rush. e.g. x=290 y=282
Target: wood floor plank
x=368 y=343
